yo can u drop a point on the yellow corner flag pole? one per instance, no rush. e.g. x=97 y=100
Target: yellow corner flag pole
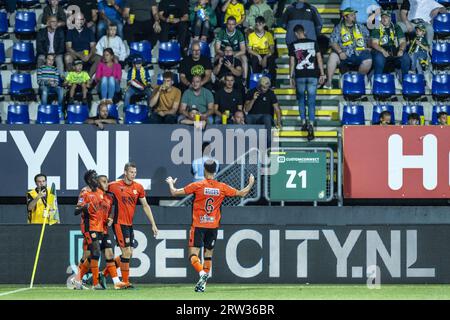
x=36 y=259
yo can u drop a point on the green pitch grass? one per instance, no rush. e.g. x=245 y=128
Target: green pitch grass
x=231 y=292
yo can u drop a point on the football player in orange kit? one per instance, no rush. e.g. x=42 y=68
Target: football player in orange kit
x=206 y=214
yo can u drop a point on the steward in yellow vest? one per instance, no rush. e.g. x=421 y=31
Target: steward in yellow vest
x=37 y=201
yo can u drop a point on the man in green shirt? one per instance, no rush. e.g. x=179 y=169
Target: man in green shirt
x=234 y=38
x=389 y=45
x=199 y=98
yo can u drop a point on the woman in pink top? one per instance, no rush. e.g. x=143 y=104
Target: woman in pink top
x=108 y=75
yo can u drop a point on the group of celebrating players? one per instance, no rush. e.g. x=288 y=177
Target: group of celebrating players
x=95 y=205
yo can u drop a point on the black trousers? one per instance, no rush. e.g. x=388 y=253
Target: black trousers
x=257 y=68
x=180 y=30
x=140 y=31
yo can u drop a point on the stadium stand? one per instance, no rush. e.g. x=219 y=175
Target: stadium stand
x=136 y=114
x=48 y=114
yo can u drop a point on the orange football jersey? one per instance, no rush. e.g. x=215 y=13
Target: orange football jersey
x=127 y=197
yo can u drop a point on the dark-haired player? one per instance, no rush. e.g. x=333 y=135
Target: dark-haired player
x=209 y=194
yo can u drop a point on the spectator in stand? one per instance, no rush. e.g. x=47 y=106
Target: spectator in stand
x=80 y=43
x=174 y=15
x=413 y=119
x=261 y=48
x=304 y=14
x=192 y=118
x=389 y=44
x=228 y=64
x=414 y=12
x=165 y=101
x=195 y=65
x=227 y=100
x=419 y=50
x=138 y=82
x=260 y=8
x=305 y=67
x=200 y=98
x=76 y=80
x=51 y=40
x=234 y=8
x=234 y=38
x=139 y=19
x=102 y=116
x=89 y=8
x=385 y=118
x=111 y=12
x=54 y=9
x=110 y=40
x=261 y=104
x=108 y=76
x=238 y=118
x=442 y=118
x=365 y=9
x=48 y=79
x=203 y=20
x=349 y=41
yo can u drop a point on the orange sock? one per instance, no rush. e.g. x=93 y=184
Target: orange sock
x=105 y=271
x=111 y=268
x=195 y=261
x=83 y=269
x=94 y=269
x=125 y=269
x=207 y=265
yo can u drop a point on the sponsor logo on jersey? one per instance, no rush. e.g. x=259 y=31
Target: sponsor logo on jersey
x=211 y=192
x=207 y=219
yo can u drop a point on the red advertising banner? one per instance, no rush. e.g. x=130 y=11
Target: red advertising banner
x=396 y=162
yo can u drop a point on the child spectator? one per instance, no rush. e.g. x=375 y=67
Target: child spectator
x=138 y=82
x=113 y=41
x=203 y=20
x=442 y=118
x=385 y=118
x=77 y=79
x=108 y=76
x=419 y=50
x=234 y=8
x=260 y=8
x=48 y=78
x=261 y=48
x=413 y=119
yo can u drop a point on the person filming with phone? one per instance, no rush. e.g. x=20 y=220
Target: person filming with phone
x=37 y=200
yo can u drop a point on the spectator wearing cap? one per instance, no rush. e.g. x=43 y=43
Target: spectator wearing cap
x=80 y=43
x=260 y=8
x=261 y=104
x=174 y=15
x=76 y=80
x=50 y=40
x=261 y=48
x=165 y=101
x=200 y=98
x=108 y=76
x=419 y=50
x=138 y=82
x=227 y=100
x=349 y=42
x=414 y=12
x=442 y=118
x=365 y=9
x=413 y=119
x=54 y=9
x=195 y=65
x=110 y=12
x=389 y=44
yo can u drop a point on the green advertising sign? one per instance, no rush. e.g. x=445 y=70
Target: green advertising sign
x=298 y=175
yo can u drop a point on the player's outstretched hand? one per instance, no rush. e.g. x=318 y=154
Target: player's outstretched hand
x=155 y=230
x=251 y=179
x=171 y=180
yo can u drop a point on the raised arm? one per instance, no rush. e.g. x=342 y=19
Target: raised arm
x=174 y=191
x=246 y=190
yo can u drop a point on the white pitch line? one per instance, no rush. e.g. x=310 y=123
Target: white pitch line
x=14 y=291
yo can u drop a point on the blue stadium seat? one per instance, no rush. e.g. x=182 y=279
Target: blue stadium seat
x=142 y=49
x=21 y=86
x=413 y=86
x=440 y=54
x=3 y=22
x=25 y=22
x=436 y=110
x=205 y=50
x=353 y=85
x=378 y=109
x=2 y=53
x=23 y=53
x=169 y=54
x=440 y=87
x=176 y=79
x=112 y=111
x=18 y=114
x=441 y=25
x=48 y=114
x=1 y=85
x=77 y=113
x=408 y=109
x=383 y=85
x=136 y=114
x=353 y=115
x=254 y=78
x=445 y=3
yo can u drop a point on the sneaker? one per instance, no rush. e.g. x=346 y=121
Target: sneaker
x=120 y=286
x=327 y=86
x=129 y=285
x=310 y=133
x=79 y=285
x=98 y=287
x=200 y=286
x=304 y=127
x=102 y=280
